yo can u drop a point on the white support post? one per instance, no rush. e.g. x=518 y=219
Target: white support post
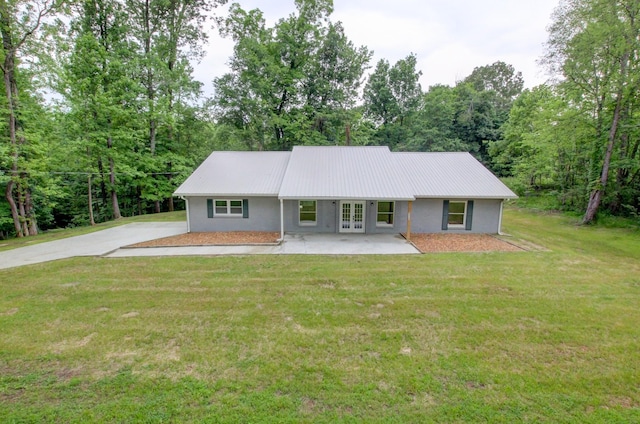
x=281 y=220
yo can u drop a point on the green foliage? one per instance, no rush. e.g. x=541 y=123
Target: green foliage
x=391 y=100
x=295 y=83
x=501 y=79
x=593 y=45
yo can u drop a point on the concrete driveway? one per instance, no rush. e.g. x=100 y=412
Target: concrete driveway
x=93 y=244
x=110 y=243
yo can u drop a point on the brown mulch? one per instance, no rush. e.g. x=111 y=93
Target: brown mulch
x=430 y=243
x=426 y=243
x=212 y=239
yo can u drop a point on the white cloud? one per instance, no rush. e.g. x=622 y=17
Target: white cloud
x=449 y=38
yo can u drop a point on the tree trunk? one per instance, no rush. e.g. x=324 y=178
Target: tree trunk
x=90 y=201
x=112 y=182
x=14 y=209
x=8 y=76
x=595 y=198
x=22 y=211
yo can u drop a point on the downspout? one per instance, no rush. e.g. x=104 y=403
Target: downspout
x=409 y=209
x=186 y=201
x=281 y=220
x=500 y=233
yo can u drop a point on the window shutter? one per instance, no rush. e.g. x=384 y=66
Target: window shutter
x=245 y=208
x=445 y=215
x=210 y=208
x=469 y=219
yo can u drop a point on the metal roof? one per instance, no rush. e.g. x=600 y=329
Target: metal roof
x=237 y=174
x=334 y=172
x=450 y=175
x=323 y=172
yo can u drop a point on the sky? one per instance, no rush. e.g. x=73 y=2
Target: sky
x=450 y=38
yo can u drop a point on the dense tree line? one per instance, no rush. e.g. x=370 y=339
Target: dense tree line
x=122 y=121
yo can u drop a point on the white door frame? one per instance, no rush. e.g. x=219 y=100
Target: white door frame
x=352 y=220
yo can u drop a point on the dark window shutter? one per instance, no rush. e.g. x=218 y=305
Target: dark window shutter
x=245 y=208
x=445 y=215
x=469 y=219
x=210 y=208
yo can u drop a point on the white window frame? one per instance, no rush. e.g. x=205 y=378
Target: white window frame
x=308 y=223
x=228 y=213
x=393 y=214
x=464 y=215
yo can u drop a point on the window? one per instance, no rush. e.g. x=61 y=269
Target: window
x=227 y=207
x=456 y=214
x=385 y=214
x=308 y=212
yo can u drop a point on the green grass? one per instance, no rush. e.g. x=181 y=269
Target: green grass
x=546 y=336
x=77 y=231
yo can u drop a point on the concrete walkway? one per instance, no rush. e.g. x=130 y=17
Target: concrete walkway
x=294 y=244
x=110 y=243
x=93 y=244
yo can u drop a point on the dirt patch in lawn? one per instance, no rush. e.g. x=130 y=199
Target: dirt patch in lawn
x=212 y=239
x=431 y=243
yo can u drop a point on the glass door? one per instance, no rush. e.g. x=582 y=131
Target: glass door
x=352 y=217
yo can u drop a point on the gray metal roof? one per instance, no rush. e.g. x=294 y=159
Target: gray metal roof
x=450 y=175
x=237 y=174
x=316 y=172
x=332 y=172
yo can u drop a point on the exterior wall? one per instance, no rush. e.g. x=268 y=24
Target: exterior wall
x=328 y=218
x=399 y=218
x=264 y=215
x=427 y=217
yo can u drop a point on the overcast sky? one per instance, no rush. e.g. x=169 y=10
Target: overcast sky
x=450 y=38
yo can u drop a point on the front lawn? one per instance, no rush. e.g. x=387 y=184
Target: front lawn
x=545 y=336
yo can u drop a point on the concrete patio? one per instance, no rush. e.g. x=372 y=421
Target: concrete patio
x=294 y=244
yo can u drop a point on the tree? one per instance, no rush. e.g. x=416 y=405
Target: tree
x=168 y=34
x=435 y=122
x=290 y=84
x=19 y=22
x=391 y=97
x=499 y=78
x=593 y=45
x=103 y=95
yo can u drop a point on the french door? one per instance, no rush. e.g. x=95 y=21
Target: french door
x=351 y=216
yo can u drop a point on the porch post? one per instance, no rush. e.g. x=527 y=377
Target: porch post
x=281 y=219
x=409 y=220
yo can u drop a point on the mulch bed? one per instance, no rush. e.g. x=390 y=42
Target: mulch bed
x=212 y=239
x=431 y=243
x=426 y=243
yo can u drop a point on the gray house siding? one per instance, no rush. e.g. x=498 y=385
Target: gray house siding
x=399 y=218
x=328 y=218
x=264 y=215
x=427 y=217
